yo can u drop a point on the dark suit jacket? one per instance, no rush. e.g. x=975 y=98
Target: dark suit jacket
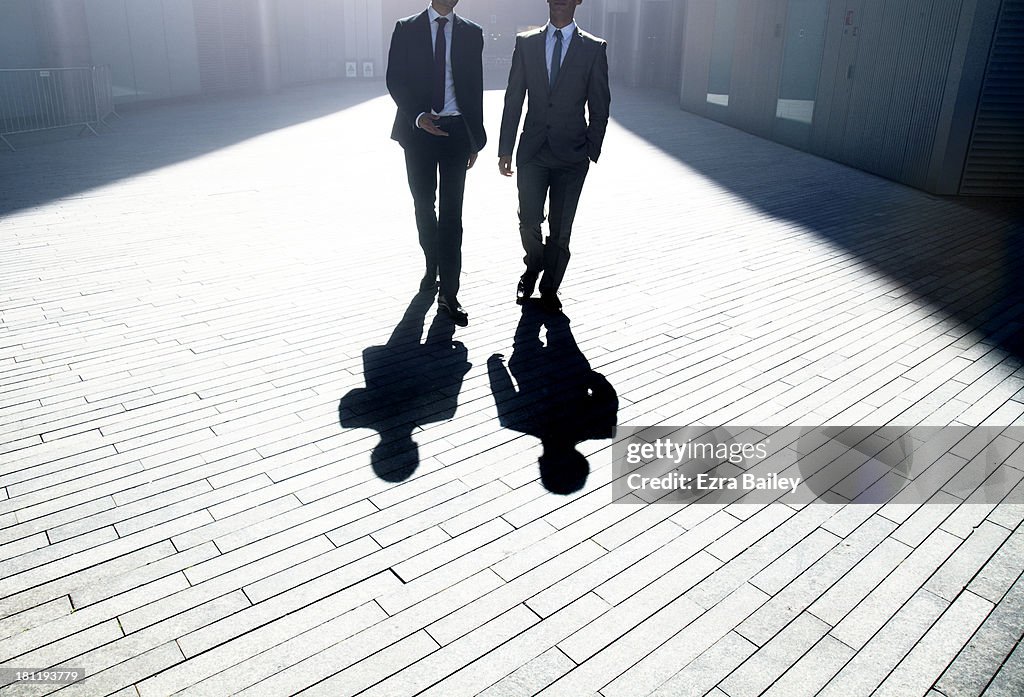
x=409 y=75
x=557 y=115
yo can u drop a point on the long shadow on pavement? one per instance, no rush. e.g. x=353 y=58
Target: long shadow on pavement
x=556 y=397
x=408 y=384
x=962 y=255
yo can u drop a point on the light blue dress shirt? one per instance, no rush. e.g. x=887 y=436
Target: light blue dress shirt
x=568 y=32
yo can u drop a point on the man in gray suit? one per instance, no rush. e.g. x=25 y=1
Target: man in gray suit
x=565 y=73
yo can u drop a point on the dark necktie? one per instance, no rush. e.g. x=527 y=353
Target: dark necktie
x=556 y=57
x=440 y=47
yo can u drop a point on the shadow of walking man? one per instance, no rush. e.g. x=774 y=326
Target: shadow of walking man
x=559 y=398
x=408 y=384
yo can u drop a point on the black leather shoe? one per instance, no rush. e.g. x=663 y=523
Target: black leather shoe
x=550 y=302
x=453 y=310
x=428 y=284
x=527 y=283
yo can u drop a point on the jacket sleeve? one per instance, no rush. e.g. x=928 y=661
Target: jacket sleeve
x=397 y=77
x=480 y=140
x=599 y=98
x=515 y=93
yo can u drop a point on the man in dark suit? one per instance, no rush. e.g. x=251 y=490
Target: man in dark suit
x=435 y=76
x=563 y=70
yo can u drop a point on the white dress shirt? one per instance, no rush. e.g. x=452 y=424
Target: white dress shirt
x=568 y=32
x=451 y=106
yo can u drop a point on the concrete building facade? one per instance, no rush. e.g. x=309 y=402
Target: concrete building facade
x=925 y=92
x=167 y=49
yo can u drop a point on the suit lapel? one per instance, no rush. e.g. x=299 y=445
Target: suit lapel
x=537 y=57
x=423 y=43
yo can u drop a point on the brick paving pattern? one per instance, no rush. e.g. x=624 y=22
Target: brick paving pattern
x=240 y=456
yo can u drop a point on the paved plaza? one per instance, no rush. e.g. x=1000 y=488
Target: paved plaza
x=240 y=455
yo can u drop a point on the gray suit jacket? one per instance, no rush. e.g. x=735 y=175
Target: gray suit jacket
x=557 y=115
x=409 y=75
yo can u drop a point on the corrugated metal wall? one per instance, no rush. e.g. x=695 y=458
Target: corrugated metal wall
x=318 y=39
x=885 y=66
x=161 y=49
x=19 y=40
x=700 y=15
x=645 y=37
x=312 y=42
x=59 y=25
x=995 y=161
x=149 y=44
x=659 y=58
x=895 y=82
x=926 y=106
x=224 y=33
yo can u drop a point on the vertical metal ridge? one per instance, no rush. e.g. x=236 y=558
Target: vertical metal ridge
x=995 y=158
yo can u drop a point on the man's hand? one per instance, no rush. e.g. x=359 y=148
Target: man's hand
x=472 y=160
x=505 y=165
x=428 y=123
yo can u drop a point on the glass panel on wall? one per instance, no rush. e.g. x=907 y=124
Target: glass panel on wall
x=801 y=62
x=722 y=44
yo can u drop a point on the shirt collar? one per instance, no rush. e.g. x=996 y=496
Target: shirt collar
x=567 y=30
x=434 y=14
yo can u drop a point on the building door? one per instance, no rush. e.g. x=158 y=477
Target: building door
x=801 y=64
x=836 y=79
x=723 y=45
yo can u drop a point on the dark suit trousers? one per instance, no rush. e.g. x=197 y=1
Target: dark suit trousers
x=429 y=161
x=547 y=177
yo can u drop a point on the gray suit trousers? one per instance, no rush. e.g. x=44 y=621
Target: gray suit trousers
x=546 y=177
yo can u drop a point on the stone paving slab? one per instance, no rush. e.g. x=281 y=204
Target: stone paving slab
x=239 y=454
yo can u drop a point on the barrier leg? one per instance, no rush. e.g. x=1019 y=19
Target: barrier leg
x=7 y=143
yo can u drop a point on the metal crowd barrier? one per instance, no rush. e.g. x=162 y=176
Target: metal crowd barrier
x=40 y=99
